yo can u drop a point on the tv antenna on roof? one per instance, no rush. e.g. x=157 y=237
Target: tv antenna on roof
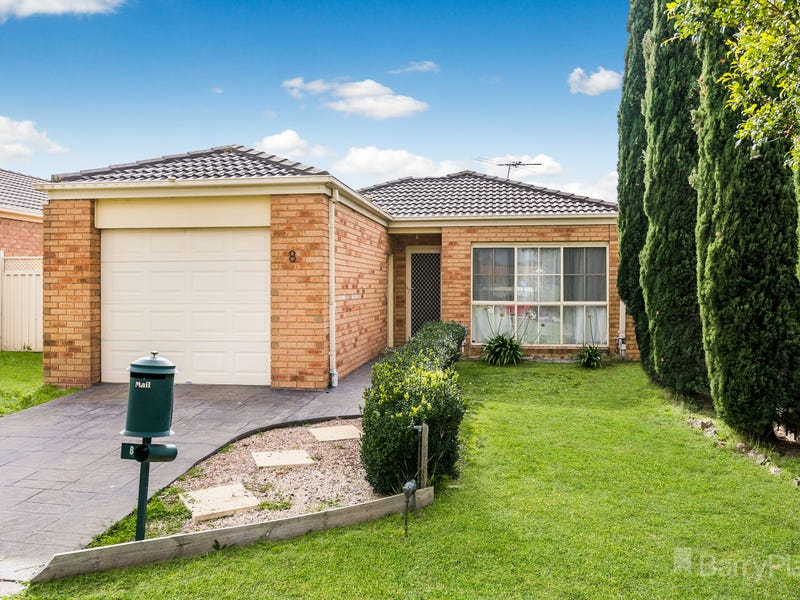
x=515 y=164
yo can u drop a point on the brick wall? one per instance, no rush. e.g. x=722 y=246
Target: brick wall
x=20 y=238
x=300 y=302
x=457 y=268
x=71 y=305
x=362 y=248
x=400 y=244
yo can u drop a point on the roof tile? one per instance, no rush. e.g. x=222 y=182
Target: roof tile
x=17 y=193
x=216 y=163
x=471 y=194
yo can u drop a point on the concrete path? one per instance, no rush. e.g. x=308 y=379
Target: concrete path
x=62 y=480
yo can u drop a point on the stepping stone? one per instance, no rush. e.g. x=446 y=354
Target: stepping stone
x=282 y=458
x=222 y=501
x=338 y=432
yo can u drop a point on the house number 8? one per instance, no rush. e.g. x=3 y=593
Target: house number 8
x=292 y=256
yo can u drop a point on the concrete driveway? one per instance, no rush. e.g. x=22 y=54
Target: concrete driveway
x=62 y=480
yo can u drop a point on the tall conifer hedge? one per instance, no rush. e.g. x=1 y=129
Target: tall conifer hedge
x=747 y=261
x=668 y=260
x=631 y=221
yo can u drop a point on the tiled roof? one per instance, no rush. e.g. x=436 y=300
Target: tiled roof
x=17 y=193
x=216 y=163
x=471 y=194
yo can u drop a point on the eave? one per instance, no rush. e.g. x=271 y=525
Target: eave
x=251 y=186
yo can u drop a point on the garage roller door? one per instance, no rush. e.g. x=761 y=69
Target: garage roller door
x=199 y=296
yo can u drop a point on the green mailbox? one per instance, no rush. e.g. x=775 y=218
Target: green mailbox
x=150 y=397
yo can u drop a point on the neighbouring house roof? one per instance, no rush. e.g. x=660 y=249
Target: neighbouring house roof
x=471 y=194
x=224 y=162
x=18 y=195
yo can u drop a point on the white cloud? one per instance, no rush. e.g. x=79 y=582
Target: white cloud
x=529 y=166
x=19 y=140
x=289 y=144
x=217 y=90
x=376 y=164
x=298 y=87
x=27 y=8
x=366 y=98
x=361 y=89
x=604 y=188
x=386 y=106
x=598 y=82
x=425 y=66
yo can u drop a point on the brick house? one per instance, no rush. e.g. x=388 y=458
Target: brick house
x=20 y=214
x=243 y=267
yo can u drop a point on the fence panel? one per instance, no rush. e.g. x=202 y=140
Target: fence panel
x=21 y=303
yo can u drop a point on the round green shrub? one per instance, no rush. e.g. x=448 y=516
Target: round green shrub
x=414 y=385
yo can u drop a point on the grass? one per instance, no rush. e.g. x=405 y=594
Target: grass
x=21 y=382
x=575 y=484
x=165 y=516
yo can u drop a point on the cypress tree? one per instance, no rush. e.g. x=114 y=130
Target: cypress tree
x=669 y=260
x=631 y=220
x=747 y=261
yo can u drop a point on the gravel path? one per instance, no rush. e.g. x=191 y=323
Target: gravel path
x=336 y=479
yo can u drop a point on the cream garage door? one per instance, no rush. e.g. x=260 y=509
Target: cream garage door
x=200 y=297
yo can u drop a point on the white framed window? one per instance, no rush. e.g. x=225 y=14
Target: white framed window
x=541 y=295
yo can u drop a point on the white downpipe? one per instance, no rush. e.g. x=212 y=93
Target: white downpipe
x=332 y=291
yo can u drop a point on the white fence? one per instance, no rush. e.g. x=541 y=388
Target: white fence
x=21 y=302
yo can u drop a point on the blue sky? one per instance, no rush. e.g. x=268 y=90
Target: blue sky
x=370 y=91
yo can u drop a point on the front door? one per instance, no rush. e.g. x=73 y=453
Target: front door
x=423 y=296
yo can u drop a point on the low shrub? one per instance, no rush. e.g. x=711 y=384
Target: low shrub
x=414 y=385
x=589 y=357
x=502 y=350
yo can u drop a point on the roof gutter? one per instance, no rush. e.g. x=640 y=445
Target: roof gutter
x=418 y=224
x=21 y=215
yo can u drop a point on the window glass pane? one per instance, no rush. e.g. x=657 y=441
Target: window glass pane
x=573 y=261
x=573 y=324
x=538 y=275
x=526 y=290
x=597 y=325
x=585 y=325
x=538 y=325
x=550 y=325
x=574 y=288
x=595 y=290
x=481 y=330
x=493 y=274
x=550 y=288
x=489 y=321
x=550 y=261
x=585 y=274
x=527 y=324
x=528 y=260
x=595 y=261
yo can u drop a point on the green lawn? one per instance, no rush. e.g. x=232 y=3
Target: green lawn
x=21 y=382
x=575 y=484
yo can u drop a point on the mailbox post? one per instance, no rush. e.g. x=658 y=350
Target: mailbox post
x=150 y=395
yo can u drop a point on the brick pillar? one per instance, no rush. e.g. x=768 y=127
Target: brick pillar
x=71 y=294
x=299 y=322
